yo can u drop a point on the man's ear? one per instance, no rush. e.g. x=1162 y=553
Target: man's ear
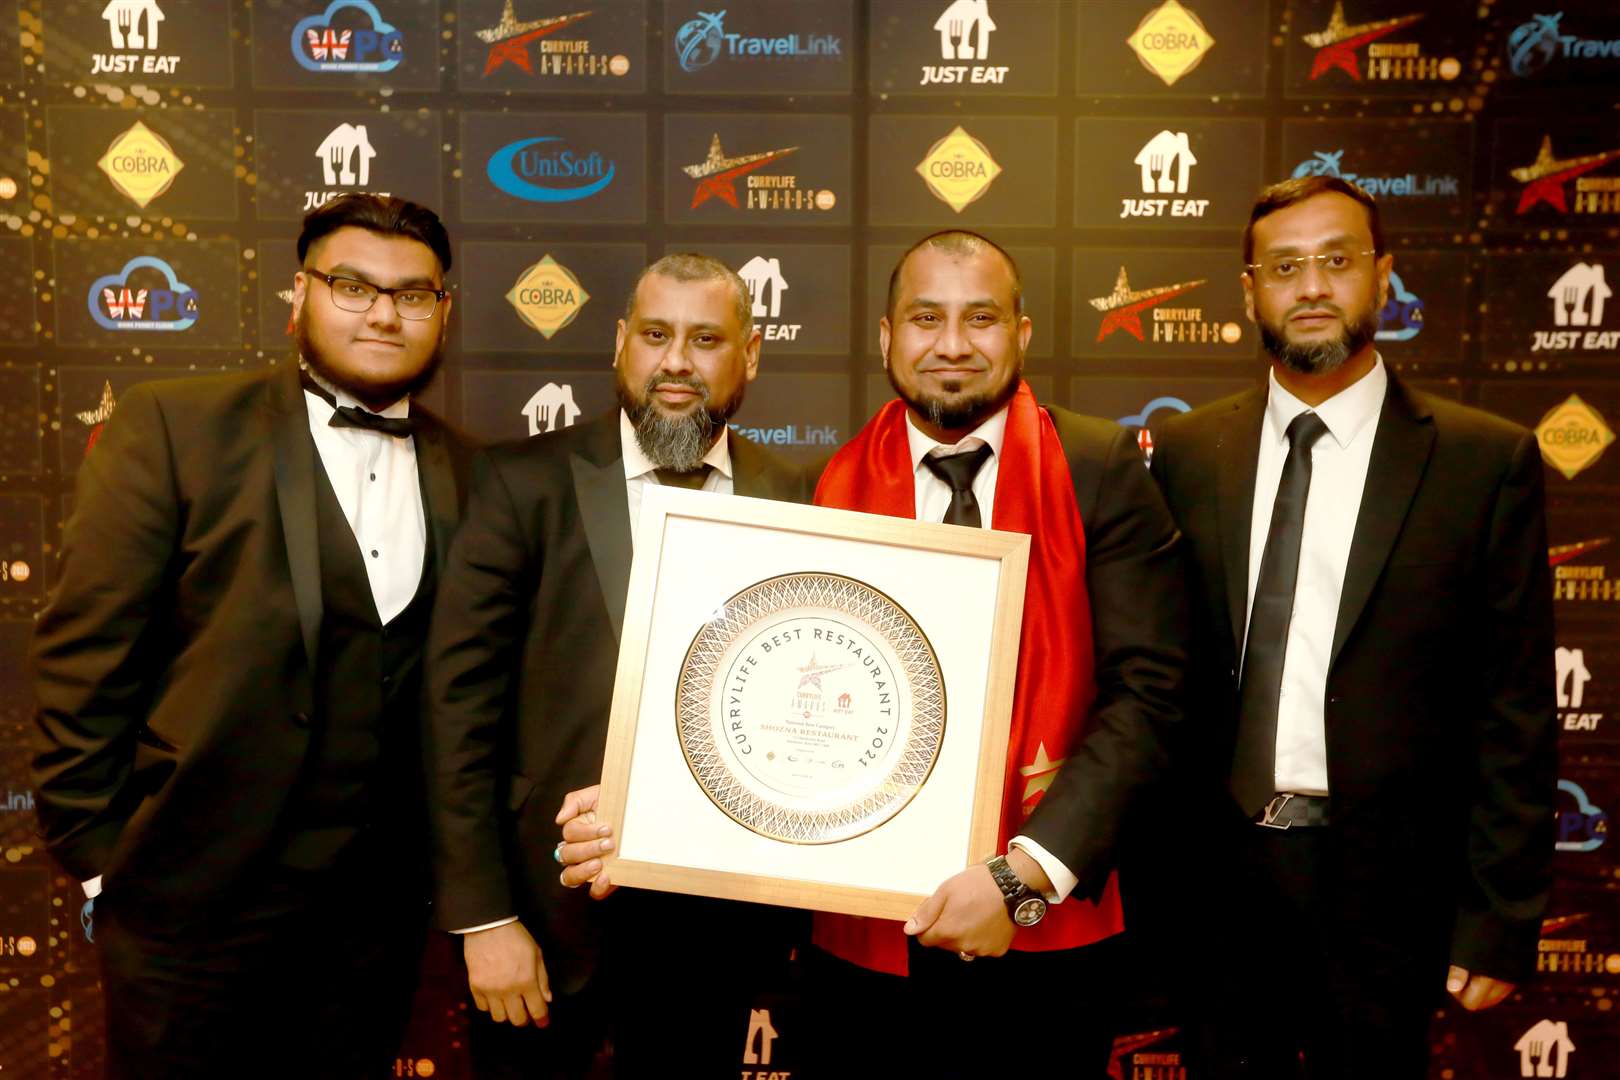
x=1248 y=295
x=885 y=335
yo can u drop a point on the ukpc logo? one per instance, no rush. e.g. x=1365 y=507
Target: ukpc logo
x=319 y=44
x=117 y=303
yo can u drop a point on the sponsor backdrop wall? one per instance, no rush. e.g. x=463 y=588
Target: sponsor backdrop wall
x=156 y=155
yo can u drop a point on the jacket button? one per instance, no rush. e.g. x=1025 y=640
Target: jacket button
x=301 y=719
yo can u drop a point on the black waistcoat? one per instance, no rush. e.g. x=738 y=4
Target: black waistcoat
x=359 y=797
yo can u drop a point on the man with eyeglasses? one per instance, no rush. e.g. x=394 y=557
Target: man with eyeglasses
x=1371 y=787
x=228 y=675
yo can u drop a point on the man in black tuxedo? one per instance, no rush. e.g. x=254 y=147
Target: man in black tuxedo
x=1375 y=779
x=522 y=657
x=229 y=671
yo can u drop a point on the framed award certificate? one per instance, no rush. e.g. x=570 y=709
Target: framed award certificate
x=811 y=705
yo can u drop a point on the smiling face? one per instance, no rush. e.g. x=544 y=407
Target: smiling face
x=1324 y=313
x=374 y=355
x=954 y=344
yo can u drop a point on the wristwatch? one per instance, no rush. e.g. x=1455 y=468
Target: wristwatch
x=1025 y=906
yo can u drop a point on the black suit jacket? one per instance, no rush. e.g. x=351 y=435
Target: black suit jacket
x=521 y=664
x=1440 y=723
x=174 y=662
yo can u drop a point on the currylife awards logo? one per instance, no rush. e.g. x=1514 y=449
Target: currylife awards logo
x=547 y=296
x=1545 y=177
x=1540 y=43
x=345 y=156
x=704 y=40
x=964 y=29
x=1581 y=583
x=1170 y=41
x=1166 y=161
x=1337 y=46
x=1578 y=307
x=766 y=287
x=1573 y=435
x=130 y=301
x=530 y=46
x=717 y=177
x=141 y=164
x=958 y=169
x=349 y=36
x=1122 y=309
x=1405 y=185
x=546 y=169
x=133 y=29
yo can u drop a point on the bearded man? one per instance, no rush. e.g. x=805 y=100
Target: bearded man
x=522 y=655
x=229 y=671
x=1372 y=771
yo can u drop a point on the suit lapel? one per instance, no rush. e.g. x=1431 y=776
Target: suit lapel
x=1237 y=450
x=605 y=510
x=438 y=485
x=753 y=472
x=1400 y=454
x=295 y=497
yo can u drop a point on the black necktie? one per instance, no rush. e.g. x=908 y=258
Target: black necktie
x=349 y=416
x=958 y=471
x=692 y=480
x=1254 y=762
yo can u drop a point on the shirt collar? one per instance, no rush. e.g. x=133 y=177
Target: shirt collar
x=398 y=410
x=637 y=463
x=991 y=433
x=1346 y=413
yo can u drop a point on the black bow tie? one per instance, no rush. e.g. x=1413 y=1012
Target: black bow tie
x=350 y=416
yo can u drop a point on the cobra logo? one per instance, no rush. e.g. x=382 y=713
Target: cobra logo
x=115 y=304
x=318 y=46
x=539 y=171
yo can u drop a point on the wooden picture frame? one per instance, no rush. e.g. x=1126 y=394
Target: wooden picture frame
x=934 y=616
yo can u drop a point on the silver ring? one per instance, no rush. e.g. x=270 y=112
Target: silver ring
x=556 y=852
x=964 y=955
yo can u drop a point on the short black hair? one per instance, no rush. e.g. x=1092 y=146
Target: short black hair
x=1287 y=193
x=384 y=214
x=695 y=266
x=961 y=243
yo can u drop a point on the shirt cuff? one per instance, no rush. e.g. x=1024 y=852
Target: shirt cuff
x=489 y=925
x=92 y=888
x=1063 y=882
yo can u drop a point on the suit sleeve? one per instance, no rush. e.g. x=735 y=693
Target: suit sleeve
x=93 y=648
x=1135 y=581
x=1510 y=828
x=473 y=656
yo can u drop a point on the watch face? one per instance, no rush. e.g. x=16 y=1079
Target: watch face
x=1030 y=912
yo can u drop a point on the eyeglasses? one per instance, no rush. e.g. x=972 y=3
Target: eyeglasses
x=350 y=294
x=1280 y=270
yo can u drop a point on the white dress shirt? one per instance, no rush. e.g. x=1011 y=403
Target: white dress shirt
x=639 y=471
x=1338 y=474
x=933 y=499
x=374 y=477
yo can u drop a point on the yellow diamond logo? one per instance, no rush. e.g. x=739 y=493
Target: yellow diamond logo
x=958 y=169
x=141 y=164
x=547 y=296
x=1170 y=41
x=1572 y=436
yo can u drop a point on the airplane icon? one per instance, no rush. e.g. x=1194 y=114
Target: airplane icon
x=509 y=39
x=717 y=174
x=1337 y=42
x=1124 y=306
x=812 y=672
x=1546 y=175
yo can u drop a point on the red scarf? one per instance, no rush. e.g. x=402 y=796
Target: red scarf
x=1056 y=680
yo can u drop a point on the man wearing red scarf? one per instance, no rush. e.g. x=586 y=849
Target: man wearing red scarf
x=1098 y=687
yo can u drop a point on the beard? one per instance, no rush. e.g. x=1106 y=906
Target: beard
x=1319 y=357
x=951 y=412
x=384 y=393
x=675 y=441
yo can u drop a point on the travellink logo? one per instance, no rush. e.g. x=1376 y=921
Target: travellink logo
x=703 y=40
x=116 y=305
x=1408 y=185
x=319 y=46
x=537 y=171
x=1536 y=44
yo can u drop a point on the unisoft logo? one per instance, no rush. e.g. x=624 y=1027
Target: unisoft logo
x=1401 y=317
x=964 y=29
x=133 y=29
x=118 y=302
x=1406 y=185
x=545 y=169
x=1541 y=42
x=1544 y=180
x=361 y=41
x=703 y=40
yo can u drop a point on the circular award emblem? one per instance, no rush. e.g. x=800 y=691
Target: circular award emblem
x=810 y=708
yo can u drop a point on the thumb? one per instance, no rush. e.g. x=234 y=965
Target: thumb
x=926 y=913
x=1456 y=979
